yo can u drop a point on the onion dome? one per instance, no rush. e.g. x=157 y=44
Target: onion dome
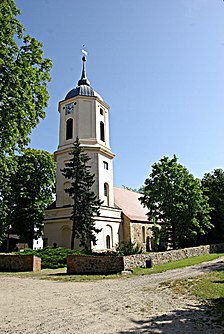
x=83 y=88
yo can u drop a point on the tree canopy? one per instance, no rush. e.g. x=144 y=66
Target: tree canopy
x=135 y=190
x=33 y=187
x=85 y=203
x=213 y=187
x=24 y=75
x=7 y=168
x=174 y=198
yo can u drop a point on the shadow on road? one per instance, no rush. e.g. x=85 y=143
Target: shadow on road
x=188 y=321
x=208 y=267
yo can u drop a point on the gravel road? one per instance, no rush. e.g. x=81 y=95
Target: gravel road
x=131 y=305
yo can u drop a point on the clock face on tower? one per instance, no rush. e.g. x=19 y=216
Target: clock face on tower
x=69 y=108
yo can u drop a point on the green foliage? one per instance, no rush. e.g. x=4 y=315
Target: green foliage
x=7 y=168
x=139 y=190
x=210 y=289
x=213 y=187
x=128 y=248
x=23 y=80
x=207 y=288
x=156 y=234
x=33 y=186
x=85 y=203
x=24 y=75
x=52 y=257
x=174 y=197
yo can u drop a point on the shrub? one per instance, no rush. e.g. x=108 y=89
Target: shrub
x=128 y=248
x=52 y=258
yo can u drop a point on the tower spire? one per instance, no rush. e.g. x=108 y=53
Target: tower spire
x=84 y=80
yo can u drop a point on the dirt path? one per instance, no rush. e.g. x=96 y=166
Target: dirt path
x=132 y=305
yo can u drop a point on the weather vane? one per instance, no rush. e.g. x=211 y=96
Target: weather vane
x=84 y=51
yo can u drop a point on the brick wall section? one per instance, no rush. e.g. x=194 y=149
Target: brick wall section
x=84 y=264
x=20 y=263
x=157 y=258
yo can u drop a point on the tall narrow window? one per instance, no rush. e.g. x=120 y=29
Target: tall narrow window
x=106 y=193
x=101 y=111
x=147 y=244
x=143 y=234
x=102 y=134
x=69 y=128
x=105 y=165
x=108 y=241
x=105 y=189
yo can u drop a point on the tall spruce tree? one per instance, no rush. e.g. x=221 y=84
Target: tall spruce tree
x=85 y=203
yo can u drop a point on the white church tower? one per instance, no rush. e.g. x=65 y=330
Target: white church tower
x=85 y=115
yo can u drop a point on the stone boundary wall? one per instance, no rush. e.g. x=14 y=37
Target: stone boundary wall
x=84 y=264
x=20 y=263
x=217 y=248
x=157 y=258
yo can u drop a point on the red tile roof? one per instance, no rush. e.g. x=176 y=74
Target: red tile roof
x=128 y=202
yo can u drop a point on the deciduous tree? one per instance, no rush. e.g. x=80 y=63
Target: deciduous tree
x=33 y=187
x=85 y=203
x=213 y=187
x=24 y=75
x=174 y=197
x=7 y=169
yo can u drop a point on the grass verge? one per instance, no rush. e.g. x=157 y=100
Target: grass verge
x=207 y=288
x=210 y=289
x=177 y=264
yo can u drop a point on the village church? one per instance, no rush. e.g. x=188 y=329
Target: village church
x=84 y=114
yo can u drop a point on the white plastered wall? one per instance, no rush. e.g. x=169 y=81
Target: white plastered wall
x=58 y=230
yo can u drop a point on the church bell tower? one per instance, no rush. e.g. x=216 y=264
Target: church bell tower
x=84 y=114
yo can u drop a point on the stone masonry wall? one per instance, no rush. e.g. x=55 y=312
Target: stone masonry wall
x=20 y=263
x=84 y=264
x=137 y=235
x=157 y=258
x=217 y=248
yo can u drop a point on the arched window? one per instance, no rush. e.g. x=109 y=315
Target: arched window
x=105 y=165
x=108 y=242
x=147 y=244
x=105 y=189
x=106 y=193
x=152 y=244
x=66 y=236
x=143 y=234
x=69 y=129
x=102 y=134
x=108 y=230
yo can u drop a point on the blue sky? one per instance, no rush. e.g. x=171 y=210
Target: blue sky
x=159 y=64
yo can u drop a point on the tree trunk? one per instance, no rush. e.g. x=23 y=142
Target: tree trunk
x=72 y=240
x=73 y=236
